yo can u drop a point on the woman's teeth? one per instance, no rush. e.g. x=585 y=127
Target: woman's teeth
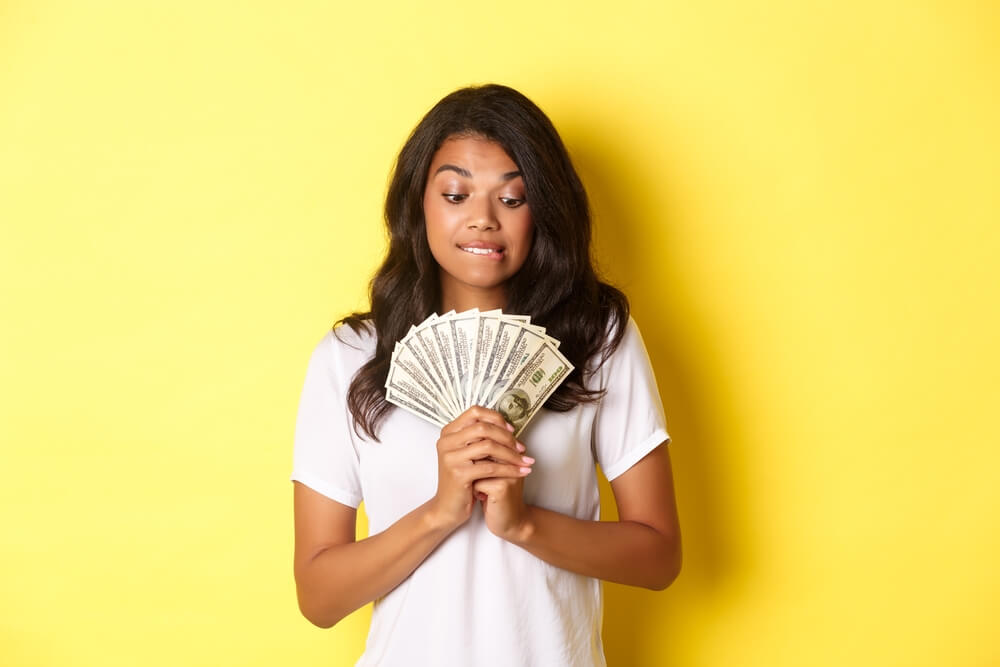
x=481 y=251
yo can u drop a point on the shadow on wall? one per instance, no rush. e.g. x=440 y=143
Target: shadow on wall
x=633 y=221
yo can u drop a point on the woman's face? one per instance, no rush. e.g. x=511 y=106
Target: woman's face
x=478 y=223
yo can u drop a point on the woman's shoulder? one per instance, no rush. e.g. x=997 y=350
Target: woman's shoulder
x=620 y=326
x=618 y=330
x=346 y=346
x=353 y=334
x=631 y=340
x=622 y=341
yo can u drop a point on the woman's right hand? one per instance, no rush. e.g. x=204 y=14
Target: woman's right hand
x=476 y=445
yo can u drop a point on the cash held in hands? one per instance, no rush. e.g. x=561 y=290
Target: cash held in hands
x=448 y=363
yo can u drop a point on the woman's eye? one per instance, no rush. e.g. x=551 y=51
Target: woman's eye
x=511 y=202
x=454 y=198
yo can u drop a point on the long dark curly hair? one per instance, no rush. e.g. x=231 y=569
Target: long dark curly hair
x=557 y=285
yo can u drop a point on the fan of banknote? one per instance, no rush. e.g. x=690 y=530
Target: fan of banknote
x=450 y=362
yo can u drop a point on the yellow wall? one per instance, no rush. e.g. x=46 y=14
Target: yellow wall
x=801 y=200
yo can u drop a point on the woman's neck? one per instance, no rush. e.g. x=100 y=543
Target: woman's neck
x=463 y=297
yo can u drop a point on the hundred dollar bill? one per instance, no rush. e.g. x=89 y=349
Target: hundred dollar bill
x=532 y=386
x=415 y=348
x=400 y=399
x=486 y=330
x=526 y=320
x=408 y=378
x=525 y=344
x=541 y=332
x=444 y=344
x=506 y=333
x=423 y=340
x=463 y=328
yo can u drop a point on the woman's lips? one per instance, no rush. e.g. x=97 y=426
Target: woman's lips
x=482 y=249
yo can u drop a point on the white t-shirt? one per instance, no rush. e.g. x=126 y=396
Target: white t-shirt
x=477 y=599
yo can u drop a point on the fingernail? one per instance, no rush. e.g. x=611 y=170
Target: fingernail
x=527 y=459
x=510 y=428
x=525 y=470
x=520 y=447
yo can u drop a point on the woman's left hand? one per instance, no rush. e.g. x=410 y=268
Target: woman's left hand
x=503 y=505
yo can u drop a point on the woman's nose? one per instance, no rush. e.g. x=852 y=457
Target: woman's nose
x=481 y=216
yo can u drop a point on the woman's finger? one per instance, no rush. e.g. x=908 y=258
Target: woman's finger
x=477 y=431
x=484 y=469
x=476 y=413
x=479 y=451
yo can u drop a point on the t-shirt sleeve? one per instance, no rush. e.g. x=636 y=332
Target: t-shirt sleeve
x=324 y=457
x=630 y=420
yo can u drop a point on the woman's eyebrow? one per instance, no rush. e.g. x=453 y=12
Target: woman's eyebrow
x=465 y=172
x=451 y=167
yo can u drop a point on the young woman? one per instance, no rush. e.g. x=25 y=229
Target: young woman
x=484 y=549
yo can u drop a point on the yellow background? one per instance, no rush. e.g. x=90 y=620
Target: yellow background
x=801 y=200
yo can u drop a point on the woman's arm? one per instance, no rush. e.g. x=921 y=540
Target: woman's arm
x=642 y=548
x=334 y=574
